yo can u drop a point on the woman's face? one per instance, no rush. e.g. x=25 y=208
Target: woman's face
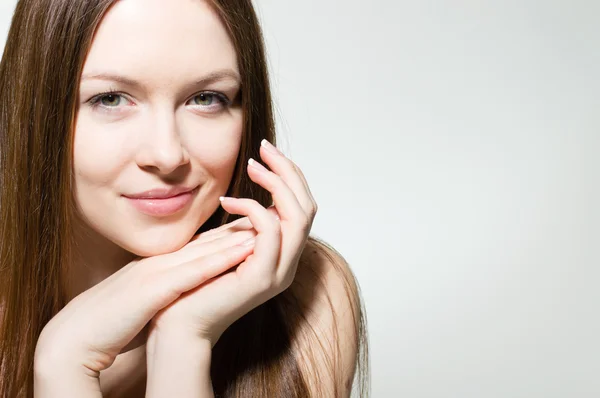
x=168 y=123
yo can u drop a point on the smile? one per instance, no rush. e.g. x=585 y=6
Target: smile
x=163 y=207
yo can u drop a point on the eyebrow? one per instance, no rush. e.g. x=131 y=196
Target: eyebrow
x=212 y=77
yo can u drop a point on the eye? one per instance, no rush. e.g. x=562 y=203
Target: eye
x=111 y=100
x=108 y=101
x=210 y=100
x=205 y=99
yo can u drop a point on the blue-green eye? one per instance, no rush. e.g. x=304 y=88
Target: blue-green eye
x=210 y=100
x=110 y=100
x=204 y=99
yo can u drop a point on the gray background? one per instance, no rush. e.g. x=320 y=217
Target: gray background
x=453 y=150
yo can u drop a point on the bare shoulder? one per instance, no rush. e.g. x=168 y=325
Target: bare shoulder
x=328 y=323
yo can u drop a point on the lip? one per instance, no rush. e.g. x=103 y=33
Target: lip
x=162 y=202
x=160 y=193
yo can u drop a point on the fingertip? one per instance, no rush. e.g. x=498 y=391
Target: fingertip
x=270 y=148
x=226 y=201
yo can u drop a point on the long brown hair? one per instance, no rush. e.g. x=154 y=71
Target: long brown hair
x=39 y=82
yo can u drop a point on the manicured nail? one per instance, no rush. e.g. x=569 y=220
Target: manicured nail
x=256 y=165
x=224 y=198
x=270 y=147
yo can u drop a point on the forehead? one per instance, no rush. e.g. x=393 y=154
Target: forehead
x=161 y=42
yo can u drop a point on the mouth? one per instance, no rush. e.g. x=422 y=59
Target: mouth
x=157 y=206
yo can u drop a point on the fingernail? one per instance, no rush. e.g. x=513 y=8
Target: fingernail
x=256 y=165
x=249 y=242
x=270 y=147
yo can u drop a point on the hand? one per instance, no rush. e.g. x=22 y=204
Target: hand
x=205 y=312
x=92 y=329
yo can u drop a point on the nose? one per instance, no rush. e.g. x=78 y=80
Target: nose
x=161 y=148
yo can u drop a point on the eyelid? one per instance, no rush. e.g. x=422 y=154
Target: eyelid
x=220 y=96
x=95 y=100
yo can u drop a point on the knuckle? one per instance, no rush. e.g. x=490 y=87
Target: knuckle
x=269 y=283
x=284 y=282
x=288 y=162
x=165 y=294
x=276 y=226
x=304 y=221
x=295 y=166
x=311 y=210
x=262 y=284
x=152 y=287
x=266 y=285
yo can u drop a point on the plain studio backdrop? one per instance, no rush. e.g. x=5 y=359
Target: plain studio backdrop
x=454 y=150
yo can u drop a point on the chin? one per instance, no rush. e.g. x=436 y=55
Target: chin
x=154 y=243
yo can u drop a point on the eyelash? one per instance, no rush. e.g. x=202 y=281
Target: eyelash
x=95 y=101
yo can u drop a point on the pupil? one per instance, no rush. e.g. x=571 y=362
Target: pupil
x=203 y=98
x=109 y=99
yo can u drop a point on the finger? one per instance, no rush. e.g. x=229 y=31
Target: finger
x=290 y=173
x=273 y=210
x=230 y=228
x=284 y=198
x=290 y=210
x=209 y=245
x=242 y=224
x=137 y=297
x=216 y=243
x=226 y=232
x=166 y=286
x=268 y=239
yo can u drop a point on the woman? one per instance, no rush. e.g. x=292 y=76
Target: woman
x=123 y=273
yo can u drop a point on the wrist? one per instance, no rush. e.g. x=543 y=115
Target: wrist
x=178 y=364
x=178 y=342
x=176 y=338
x=48 y=362
x=58 y=376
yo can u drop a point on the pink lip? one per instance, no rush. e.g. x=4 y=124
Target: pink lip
x=160 y=203
x=160 y=193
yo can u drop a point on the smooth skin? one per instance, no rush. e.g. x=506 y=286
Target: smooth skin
x=146 y=295
x=87 y=335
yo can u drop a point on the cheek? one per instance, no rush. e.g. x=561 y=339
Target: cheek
x=214 y=150
x=98 y=157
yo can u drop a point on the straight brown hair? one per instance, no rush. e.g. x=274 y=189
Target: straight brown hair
x=39 y=82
